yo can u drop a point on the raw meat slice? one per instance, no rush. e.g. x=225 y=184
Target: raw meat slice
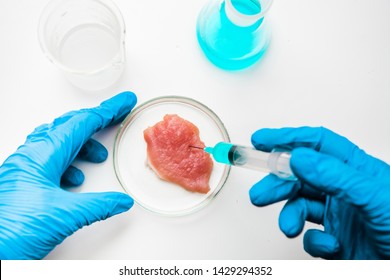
x=171 y=157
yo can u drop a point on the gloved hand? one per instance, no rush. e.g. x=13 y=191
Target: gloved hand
x=339 y=186
x=36 y=214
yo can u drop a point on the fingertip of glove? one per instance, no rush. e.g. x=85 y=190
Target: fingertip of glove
x=126 y=97
x=92 y=207
x=124 y=102
x=129 y=201
x=291 y=222
x=290 y=231
x=271 y=189
x=101 y=156
x=320 y=244
x=130 y=96
x=114 y=203
x=93 y=151
x=253 y=196
x=124 y=203
x=72 y=177
x=258 y=193
x=258 y=139
x=115 y=109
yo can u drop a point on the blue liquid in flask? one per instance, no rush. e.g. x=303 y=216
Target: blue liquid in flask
x=232 y=43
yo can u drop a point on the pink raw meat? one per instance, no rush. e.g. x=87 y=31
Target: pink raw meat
x=172 y=158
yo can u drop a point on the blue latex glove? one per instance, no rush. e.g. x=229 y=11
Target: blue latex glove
x=36 y=213
x=339 y=186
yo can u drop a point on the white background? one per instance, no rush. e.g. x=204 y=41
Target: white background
x=328 y=65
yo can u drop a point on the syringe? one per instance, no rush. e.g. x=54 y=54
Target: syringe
x=276 y=162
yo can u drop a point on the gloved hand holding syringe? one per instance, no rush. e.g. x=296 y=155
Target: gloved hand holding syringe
x=276 y=162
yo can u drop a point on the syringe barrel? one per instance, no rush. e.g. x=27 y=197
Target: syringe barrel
x=279 y=163
x=276 y=162
x=249 y=158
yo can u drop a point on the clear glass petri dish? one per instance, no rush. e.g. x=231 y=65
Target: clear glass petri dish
x=130 y=157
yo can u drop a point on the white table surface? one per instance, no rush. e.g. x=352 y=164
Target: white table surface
x=328 y=65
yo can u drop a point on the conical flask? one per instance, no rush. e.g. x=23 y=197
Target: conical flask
x=233 y=34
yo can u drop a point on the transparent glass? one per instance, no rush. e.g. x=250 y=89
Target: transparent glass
x=85 y=39
x=276 y=162
x=234 y=34
x=130 y=156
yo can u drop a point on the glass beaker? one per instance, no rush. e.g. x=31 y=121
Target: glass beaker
x=85 y=39
x=234 y=34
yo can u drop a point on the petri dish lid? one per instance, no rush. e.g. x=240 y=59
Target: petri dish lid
x=130 y=157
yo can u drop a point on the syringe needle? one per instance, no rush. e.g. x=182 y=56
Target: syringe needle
x=195 y=147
